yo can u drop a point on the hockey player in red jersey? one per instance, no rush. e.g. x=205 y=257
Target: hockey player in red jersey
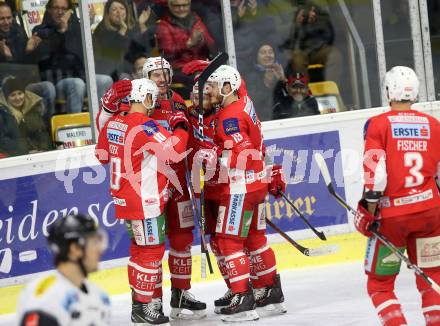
x=180 y=219
x=401 y=162
x=241 y=190
x=138 y=149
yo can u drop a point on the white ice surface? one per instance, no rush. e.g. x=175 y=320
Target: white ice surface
x=323 y=296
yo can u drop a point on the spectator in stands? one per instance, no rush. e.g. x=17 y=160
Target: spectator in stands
x=112 y=37
x=182 y=35
x=311 y=42
x=251 y=26
x=295 y=99
x=56 y=46
x=266 y=73
x=26 y=108
x=13 y=41
x=11 y=144
x=137 y=67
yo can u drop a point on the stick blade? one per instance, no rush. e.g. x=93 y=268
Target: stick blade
x=323 y=250
x=323 y=167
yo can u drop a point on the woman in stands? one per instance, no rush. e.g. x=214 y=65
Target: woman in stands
x=26 y=108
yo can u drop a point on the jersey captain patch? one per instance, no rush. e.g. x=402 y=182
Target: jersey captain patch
x=150 y=127
x=230 y=126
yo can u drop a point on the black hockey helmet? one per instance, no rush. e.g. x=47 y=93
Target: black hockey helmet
x=73 y=228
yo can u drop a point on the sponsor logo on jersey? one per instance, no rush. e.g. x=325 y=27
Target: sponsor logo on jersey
x=150 y=233
x=408 y=119
x=150 y=201
x=70 y=299
x=44 y=285
x=426 y=195
x=150 y=128
x=410 y=130
x=117 y=125
x=230 y=126
x=115 y=136
x=119 y=201
x=234 y=214
x=369 y=254
x=250 y=176
x=428 y=252
x=186 y=215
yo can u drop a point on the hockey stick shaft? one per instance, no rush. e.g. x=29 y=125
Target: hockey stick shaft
x=196 y=213
x=325 y=173
x=219 y=60
x=303 y=250
x=203 y=220
x=320 y=234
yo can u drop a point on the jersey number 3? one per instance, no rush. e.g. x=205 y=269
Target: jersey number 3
x=413 y=161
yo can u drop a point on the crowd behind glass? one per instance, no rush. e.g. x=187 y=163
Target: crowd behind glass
x=283 y=48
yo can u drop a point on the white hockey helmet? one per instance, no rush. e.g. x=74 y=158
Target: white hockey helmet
x=155 y=63
x=401 y=84
x=226 y=74
x=141 y=88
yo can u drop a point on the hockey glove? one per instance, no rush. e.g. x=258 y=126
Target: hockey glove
x=113 y=96
x=178 y=119
x=277 y=181
x=363 y=220
x=194 y=66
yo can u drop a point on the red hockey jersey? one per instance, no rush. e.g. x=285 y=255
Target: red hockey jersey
x=198 y=142
x=401 y=160
x=238 y=134
x=137 y=149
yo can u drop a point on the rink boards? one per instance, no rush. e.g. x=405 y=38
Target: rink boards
x=36 y=190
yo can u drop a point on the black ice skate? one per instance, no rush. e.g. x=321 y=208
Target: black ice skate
x=183 y=300
x=224 y=301
x=271 y=298
x=241 y=308
x=148 y=313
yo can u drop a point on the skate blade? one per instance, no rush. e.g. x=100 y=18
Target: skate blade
x=249 y=315
x=218 y=309
x=272 y=309
x=186 y=314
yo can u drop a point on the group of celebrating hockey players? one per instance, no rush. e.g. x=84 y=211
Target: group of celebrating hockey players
x=146 y=139
x=151 y=141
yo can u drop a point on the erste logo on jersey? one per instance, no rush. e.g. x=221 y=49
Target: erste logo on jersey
x=150 y=127
x=410 y=130
x=230 y=126
x=115 y=136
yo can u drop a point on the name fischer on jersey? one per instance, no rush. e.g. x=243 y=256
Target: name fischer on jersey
x=412 y=145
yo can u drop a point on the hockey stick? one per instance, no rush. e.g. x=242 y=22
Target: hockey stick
x=320 y=234
x=203 y=223
x=326 y=175
x=219 y=60
x=312 y=252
